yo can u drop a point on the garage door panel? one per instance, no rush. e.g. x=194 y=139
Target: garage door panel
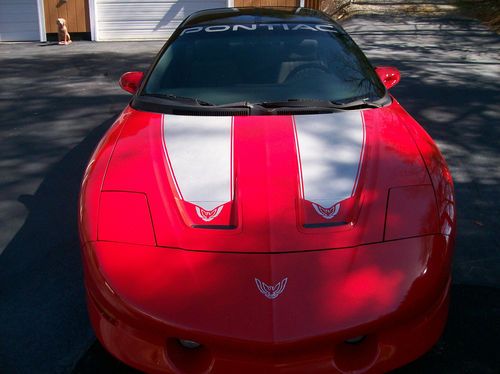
x=154 y=19
x=21 y=28
x=19 y=20
x=144 y=26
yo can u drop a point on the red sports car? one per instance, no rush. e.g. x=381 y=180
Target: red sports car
x=263 y=204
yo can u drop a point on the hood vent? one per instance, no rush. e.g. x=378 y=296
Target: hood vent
x=300 y=111
x=210 y=112
x=214 y=227
x=325 y=224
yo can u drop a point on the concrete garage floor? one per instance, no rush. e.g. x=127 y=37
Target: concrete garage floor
x=57 y=102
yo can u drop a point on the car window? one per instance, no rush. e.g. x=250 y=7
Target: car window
x=231 y=63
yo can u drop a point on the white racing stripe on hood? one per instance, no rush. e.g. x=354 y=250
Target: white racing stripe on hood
x=199 y=151
x=330 y=148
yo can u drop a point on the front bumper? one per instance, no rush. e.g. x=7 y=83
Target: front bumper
x=389 y=292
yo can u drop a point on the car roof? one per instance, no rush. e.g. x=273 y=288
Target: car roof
x=256 y=15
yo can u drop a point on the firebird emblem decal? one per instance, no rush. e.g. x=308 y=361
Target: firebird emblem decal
x=208 y=215
x=327 y=213
x=271 y=292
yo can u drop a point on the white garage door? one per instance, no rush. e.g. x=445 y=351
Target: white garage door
x=19 y=20
x=151 y=19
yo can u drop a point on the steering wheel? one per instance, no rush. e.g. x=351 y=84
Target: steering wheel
x=304 y=71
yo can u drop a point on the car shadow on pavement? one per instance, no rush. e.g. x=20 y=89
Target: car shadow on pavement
x=43 y=317
x=469 y=342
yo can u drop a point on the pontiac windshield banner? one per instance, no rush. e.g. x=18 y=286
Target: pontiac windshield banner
x=261 y=26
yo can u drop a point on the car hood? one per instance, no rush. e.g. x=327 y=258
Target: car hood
x=265 y=183
x=276 y=298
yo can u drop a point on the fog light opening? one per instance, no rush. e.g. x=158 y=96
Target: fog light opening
x=188 y=356
x=355 y=340
x=189 y=344
x=357 y=354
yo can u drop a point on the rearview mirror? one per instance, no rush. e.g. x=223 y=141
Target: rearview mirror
x=389 y=75
x=131 y=81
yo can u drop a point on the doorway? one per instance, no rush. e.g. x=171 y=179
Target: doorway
x=76 y=14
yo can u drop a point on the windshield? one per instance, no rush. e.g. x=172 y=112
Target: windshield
x=256 y=63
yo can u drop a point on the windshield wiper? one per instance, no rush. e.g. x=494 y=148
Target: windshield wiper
x=324 y=104
x=187 y=100
x=295 y=103
x=238 y=104
x=360 y=103
x=268 y=107
x=191 y=100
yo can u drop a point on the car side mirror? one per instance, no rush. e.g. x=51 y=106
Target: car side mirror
x=390 y=76
x=131 y=81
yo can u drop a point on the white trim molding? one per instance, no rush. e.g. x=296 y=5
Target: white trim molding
x=41 y=21
x=94 y=35
x=302 y=3
x=230 y=3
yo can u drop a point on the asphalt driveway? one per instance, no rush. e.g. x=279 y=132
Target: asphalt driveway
x=56 y=103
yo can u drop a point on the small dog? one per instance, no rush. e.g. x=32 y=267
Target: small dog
x=62 y=32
